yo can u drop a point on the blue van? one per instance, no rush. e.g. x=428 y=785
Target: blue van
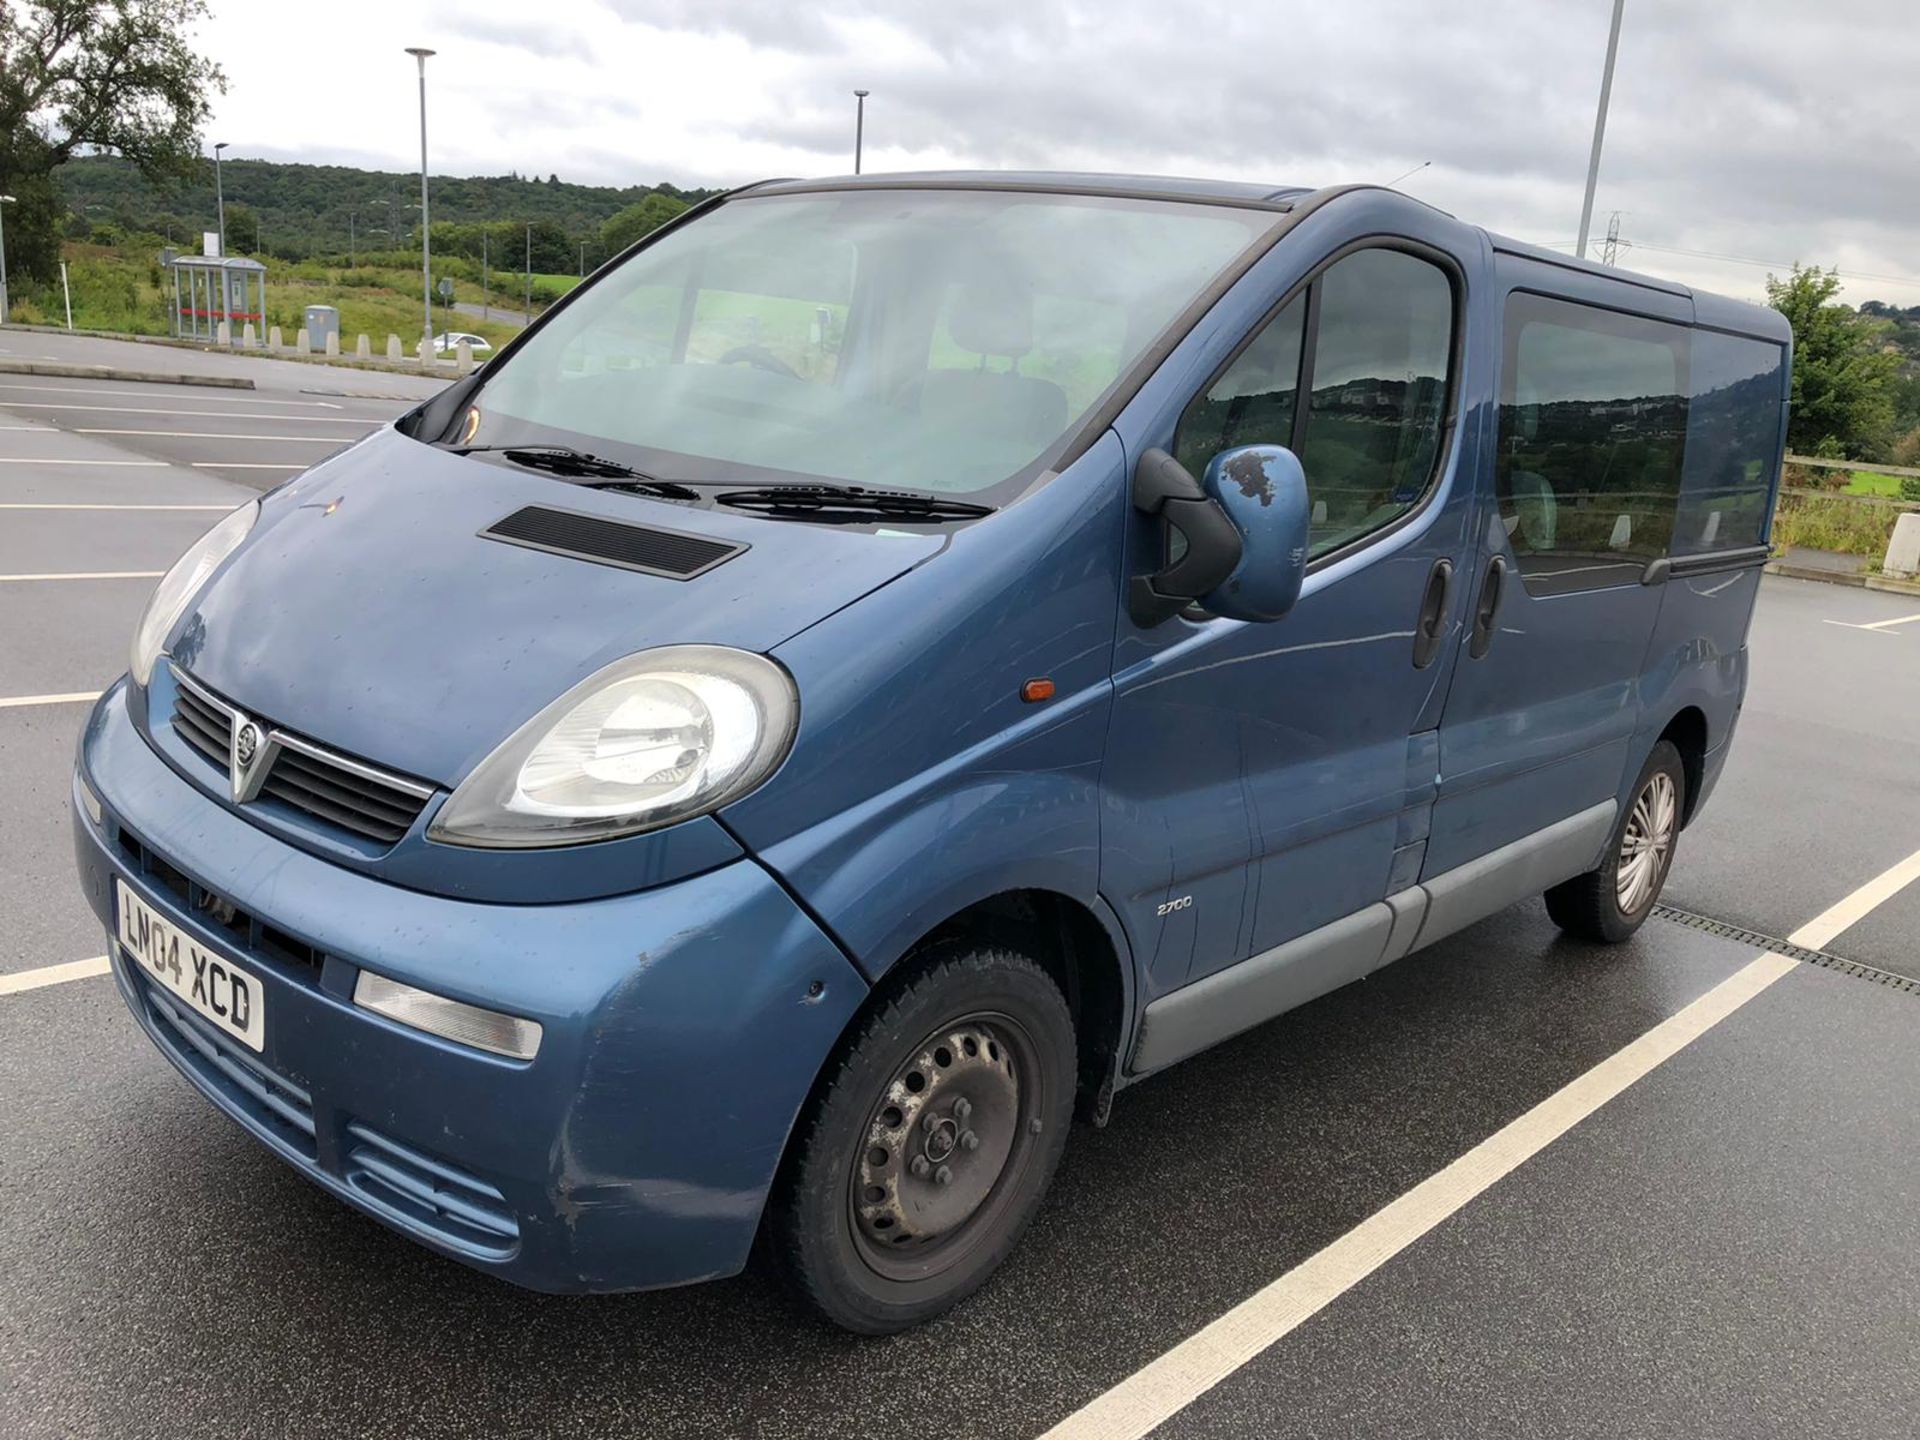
x=890 y=662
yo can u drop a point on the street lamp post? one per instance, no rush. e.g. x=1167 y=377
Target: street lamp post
x=350 y=241
x=1599 y=129
x=5 y=307
x=426 y=262
x=220 y=198
x=859 y=125
x=529 y=272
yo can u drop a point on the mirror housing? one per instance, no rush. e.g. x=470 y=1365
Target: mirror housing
x=1245 y=527
x=1263 y=492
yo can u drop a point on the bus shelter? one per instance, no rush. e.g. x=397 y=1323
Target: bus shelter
x=210 y=288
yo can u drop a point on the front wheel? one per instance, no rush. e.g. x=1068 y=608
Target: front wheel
x=929 y=1144
x=1610 y=902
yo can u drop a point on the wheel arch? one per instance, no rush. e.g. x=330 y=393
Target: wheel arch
x=1687 y=732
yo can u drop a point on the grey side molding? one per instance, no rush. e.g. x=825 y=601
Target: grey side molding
x=1188 y=1020
x=1242 y=996
x=1503 y=877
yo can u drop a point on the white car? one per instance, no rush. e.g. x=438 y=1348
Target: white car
x=446 y=344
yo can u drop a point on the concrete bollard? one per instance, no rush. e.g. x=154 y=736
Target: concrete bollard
x=463 y=358
x=223 y=333
x=274 y=342
x=300 y=341
x=362 y=350
x=247 y=336
x=393 y=347
x=1903 y=551
x=423 y=352
x=333 y=343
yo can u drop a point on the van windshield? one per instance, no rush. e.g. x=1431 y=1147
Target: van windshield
x=945 y=341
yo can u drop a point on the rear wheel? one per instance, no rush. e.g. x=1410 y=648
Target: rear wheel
x=928 y=1147
x=1610 y=902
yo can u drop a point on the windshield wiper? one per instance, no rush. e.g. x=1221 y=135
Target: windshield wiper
x=848 y=504
x=586 y=469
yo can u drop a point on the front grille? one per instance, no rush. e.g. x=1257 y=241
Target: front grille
x=349 y=794
x=249 y=932
x=432 y=1194
x=278 y=1109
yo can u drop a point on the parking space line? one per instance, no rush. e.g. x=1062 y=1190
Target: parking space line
x=246 y=465
x=46 y=975
x=70 y=505
x=74 y=697
x=219 y=435
x=1169 y=1384
x=87 y=575
x=1179 y=1376
x=1820 y=931
x=121 y=464
x=1889 y=624
x=161 y=394
x=179 y=411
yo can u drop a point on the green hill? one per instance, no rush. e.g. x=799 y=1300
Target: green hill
x=295 y=211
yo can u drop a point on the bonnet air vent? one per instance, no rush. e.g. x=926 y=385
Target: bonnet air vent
x=670 y=553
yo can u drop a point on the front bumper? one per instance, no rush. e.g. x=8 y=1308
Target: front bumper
x=683 y=1027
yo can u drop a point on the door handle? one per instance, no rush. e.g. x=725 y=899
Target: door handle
x=1431 y=627
x=1487 y=608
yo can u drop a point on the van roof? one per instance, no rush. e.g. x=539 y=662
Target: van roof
x=1156 y=187
x=1710 y=309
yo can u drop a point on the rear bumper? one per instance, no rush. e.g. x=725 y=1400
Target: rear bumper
x=682 y=1033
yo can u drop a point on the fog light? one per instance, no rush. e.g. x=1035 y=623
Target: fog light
x=89 y=801
x=452 y=1019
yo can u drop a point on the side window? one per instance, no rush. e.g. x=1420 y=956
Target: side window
x=1371 y=344
x=1733 y=443
x=1593 y=426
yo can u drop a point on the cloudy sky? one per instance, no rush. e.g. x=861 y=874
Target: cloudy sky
x=1741 y=130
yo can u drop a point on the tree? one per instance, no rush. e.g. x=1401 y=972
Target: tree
x=1843 y=378
x=636 y=221
x=118 y=75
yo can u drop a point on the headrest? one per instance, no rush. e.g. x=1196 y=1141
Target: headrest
x=993 y=314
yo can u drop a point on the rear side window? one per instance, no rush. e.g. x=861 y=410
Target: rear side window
x=1593 y=429
x=1733 y=443
x=1370 y=345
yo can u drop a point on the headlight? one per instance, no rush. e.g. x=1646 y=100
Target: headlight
x=180 y=584
x=652 y=739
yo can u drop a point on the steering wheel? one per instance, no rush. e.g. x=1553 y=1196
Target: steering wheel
x=760 y=358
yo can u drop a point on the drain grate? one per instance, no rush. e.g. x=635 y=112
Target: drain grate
x=1777 y=946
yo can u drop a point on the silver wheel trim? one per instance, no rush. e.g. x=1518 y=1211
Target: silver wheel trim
x=1648 y=839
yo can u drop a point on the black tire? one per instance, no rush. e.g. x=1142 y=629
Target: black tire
x=877 y=1248
x=1592 y=906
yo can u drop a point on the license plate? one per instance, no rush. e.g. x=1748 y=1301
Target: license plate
x=208 y=981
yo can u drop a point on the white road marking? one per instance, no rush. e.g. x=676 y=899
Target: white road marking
x=90 y=575
x=46 y=975
x=244 y=465
x=76 y=697
x=1168 y=1384
x=209 y=414
x=161 y=394
x=219 y=435
x=1818 y=932
x=1884 y=625
x=49 y=505
x=123 y=464
x=1870 y=629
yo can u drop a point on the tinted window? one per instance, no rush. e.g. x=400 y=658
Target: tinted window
x=1733 y=443
x=1377 y=367
x=1379 y=386
x=1593 y=424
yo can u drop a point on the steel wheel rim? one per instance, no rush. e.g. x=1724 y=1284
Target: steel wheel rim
x=1646 y=843
x=906 y=1224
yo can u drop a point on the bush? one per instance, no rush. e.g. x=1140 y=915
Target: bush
x=1910 y=487
x=1849 y=524
x=1905 y=451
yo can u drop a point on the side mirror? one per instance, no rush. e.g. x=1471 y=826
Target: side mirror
x=1244 y=534
x=1264 y=493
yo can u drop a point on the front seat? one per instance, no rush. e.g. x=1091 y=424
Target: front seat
x=993 y=318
